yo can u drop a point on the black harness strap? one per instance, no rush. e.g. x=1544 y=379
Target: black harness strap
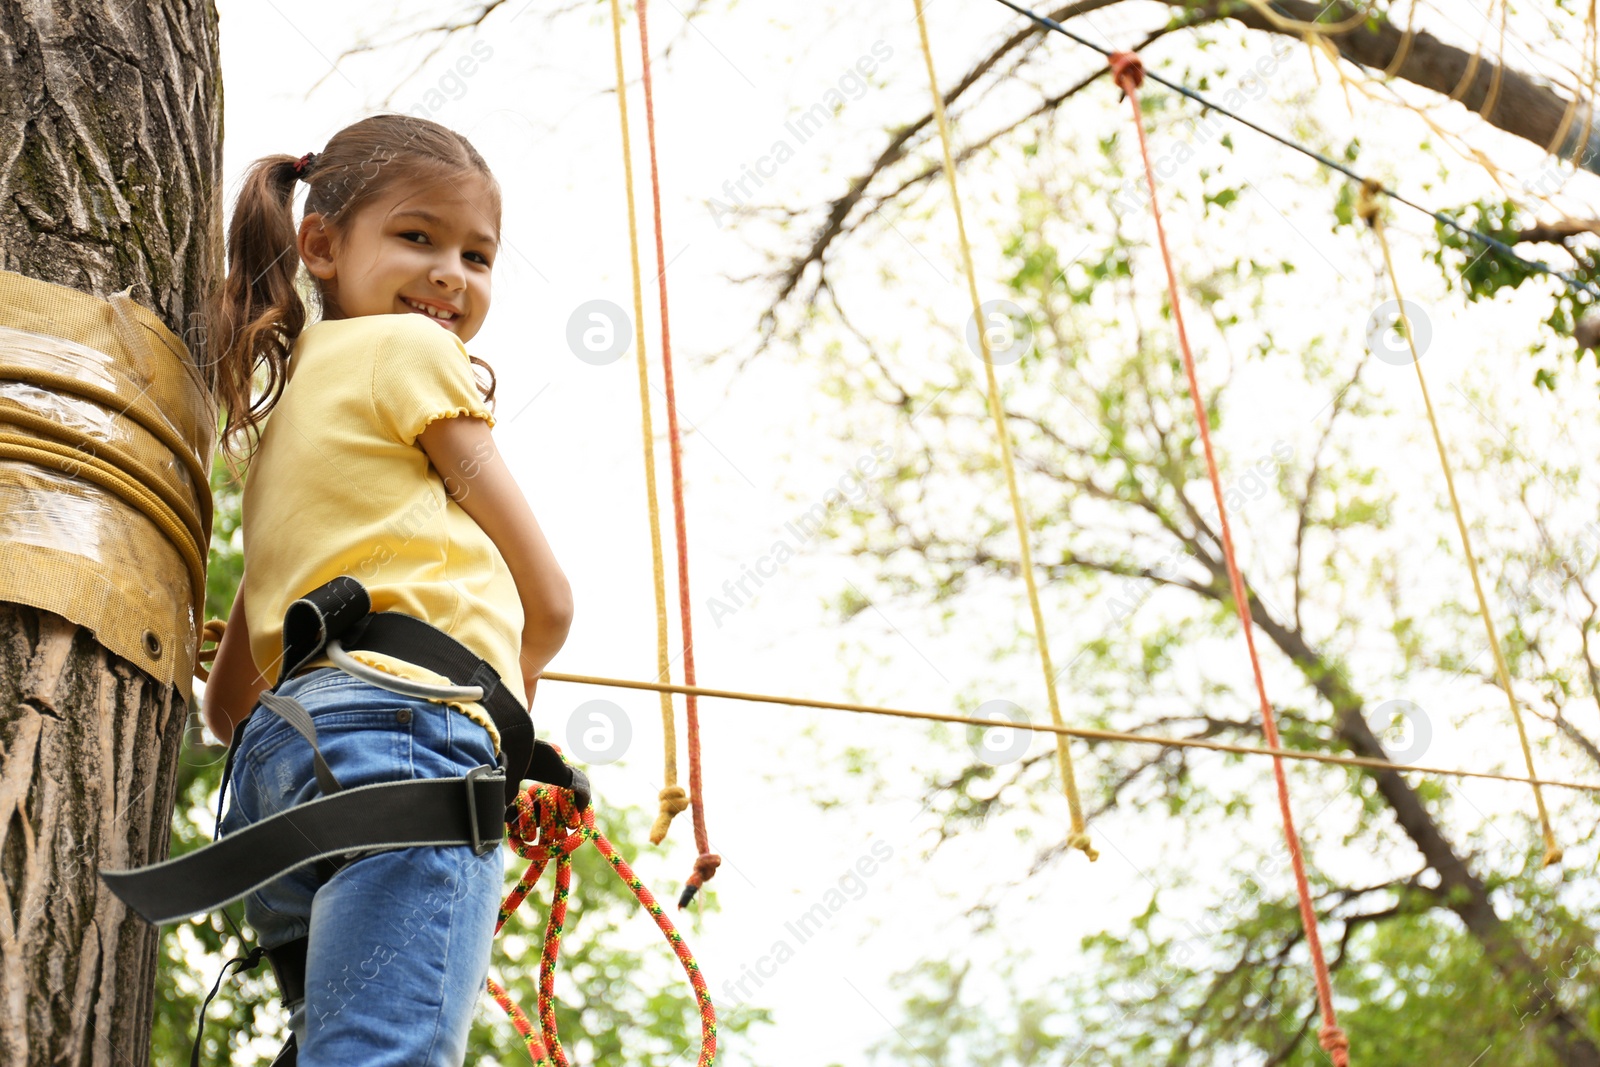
x=434 y=811
x=287 y=1056
x=410 y=639
x=341 y=609
x=343 y=824
x=328 y=611
x=423 y=811
x=289 y=968
x=247 y=962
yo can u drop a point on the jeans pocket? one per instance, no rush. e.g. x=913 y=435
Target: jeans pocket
x=360 y=747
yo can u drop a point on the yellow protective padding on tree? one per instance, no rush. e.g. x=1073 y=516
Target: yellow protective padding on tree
x=106 y=438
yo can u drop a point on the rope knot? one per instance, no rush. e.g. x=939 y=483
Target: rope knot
x=548 y=824
x=705 y=865
x=673 y=800
x=1367 y=201
x=1080 y=840
x=1335 y=1044
x=1127 y=70
x=1552 y=853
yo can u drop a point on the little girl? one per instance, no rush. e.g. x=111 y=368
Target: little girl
x=376 y=463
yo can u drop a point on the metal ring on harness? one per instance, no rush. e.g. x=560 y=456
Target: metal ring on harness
x=396 y=684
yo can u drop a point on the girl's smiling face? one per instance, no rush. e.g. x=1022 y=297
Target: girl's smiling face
x=433 y=247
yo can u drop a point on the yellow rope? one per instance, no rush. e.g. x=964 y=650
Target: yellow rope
x=1080 y=836
x=1472 y=67
x=1082 y=732
x=1585 y=81
x=79 y=464
x=1289 y=25
x=1554 y=147
x=110 y=399
x=1404 y=49
x=673 y=798
x=1492 y=98
x=116 y=457
x=1591 y=37
x=1372 y=214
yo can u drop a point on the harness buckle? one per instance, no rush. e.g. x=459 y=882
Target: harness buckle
x=480 y=845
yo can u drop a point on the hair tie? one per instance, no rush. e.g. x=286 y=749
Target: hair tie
x=303 y=162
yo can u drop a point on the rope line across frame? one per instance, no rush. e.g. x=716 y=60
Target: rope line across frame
x=1085 y=733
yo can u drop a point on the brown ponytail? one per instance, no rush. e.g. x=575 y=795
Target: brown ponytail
x=260 y=312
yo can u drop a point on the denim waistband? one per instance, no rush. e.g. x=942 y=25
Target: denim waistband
x=321 y=678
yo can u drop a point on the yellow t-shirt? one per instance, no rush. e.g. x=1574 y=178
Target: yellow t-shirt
x=339 y=486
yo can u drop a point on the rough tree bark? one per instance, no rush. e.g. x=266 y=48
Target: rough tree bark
x=110 y=161
x=1520 y=103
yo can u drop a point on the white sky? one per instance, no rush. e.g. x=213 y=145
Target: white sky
x=762 y=448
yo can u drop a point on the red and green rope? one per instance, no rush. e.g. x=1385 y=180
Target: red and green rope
x=549 y=827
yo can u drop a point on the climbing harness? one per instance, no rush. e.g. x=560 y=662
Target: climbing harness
x=343 y=823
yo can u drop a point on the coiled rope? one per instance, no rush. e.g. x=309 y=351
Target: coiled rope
x=72 y=453
x=550 y=827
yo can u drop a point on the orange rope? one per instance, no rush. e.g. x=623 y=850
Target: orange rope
x=672 y=798
x=705 y=865
x=1128 y=71
x=550 y=826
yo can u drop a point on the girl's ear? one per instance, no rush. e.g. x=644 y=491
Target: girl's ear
x=316 y=247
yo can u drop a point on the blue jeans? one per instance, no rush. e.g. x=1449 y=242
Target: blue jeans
x=400 y=938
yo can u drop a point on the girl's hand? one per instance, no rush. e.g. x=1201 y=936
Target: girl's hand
x=235 y=685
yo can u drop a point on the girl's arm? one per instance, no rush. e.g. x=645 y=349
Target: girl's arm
x=462 y=451
x=234 y=684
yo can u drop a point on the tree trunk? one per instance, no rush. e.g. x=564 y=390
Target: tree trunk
x=111 y=149
x=1460 y=890
x=1517 y=103
x=110 y=160
x=88 y=765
